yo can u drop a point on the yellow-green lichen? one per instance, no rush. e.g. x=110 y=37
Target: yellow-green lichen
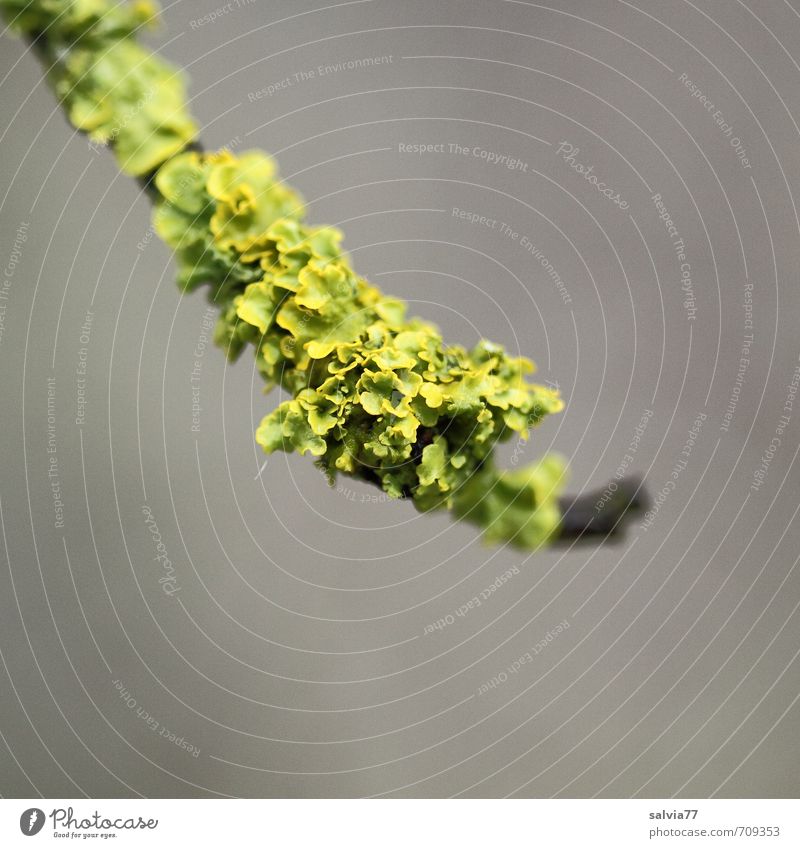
x=114 y=90
x=375 y=394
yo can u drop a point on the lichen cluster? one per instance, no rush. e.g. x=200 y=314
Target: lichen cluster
x=113 y=89
x=375 y=394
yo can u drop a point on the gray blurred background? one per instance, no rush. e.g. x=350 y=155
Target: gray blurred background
x=295 y=654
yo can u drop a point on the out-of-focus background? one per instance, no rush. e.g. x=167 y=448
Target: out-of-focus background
x=291 y=639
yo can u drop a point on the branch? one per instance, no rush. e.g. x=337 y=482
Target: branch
x=588 y=516
x=375 y=394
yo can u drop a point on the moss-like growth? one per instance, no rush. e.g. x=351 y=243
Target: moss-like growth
x=375 y=394
x=117 y=92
